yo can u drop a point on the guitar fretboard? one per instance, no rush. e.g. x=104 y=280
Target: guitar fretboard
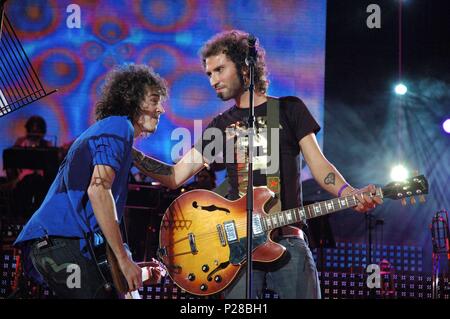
x=295 y=215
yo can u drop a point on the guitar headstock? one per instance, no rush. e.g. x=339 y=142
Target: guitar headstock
x=414 y=186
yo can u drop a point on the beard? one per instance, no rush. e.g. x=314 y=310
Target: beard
x=230 y=92
x=223 y=97
x=148 y=127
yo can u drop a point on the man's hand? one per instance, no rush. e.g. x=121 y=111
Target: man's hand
x=132 y=273
x=366 y=202
x=154 y=271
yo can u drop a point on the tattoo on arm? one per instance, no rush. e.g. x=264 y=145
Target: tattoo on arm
x=147 y=164
x=330 y=179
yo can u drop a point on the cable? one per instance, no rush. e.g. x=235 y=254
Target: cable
x=107 y=284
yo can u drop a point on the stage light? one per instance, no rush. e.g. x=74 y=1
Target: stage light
x=399 y=173
x=446 y=126
x=401 y=89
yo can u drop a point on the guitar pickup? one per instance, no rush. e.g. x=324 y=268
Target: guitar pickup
x=257 y=226
x=191 y=238
x=230 y=231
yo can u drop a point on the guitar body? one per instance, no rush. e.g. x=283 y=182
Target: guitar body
x=197 y=243
x=203 y=236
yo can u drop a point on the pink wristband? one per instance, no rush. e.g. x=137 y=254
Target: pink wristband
x=341 y=189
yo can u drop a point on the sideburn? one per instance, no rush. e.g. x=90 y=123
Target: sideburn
x=244 y=84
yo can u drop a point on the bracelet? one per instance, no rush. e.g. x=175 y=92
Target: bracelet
x=341 y=189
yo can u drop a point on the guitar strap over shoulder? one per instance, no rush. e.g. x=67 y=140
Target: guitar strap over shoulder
x=273 y=180
x=223 y=188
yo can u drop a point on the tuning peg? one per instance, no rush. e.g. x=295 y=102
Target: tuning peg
x=413 y=200
x=403 y=201
x=422 y=198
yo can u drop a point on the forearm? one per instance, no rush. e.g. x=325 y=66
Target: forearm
x=172 y=176
x=104 y=208
x=323 y=171
x=160 y=171
x=330 y=179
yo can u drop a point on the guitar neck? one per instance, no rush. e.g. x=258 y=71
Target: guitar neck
x=296 y=215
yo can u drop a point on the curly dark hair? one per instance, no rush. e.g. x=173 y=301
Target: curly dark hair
x=234 y=45
x=125 y=89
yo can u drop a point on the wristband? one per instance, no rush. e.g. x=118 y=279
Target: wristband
x=341 y=189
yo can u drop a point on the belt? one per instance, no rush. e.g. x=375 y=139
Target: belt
x=288 y=231
x=42 y=243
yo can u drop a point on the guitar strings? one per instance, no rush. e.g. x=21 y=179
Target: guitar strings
x=239 y=225
x=213 y=234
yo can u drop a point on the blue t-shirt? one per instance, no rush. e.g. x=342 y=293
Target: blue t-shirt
x=66 y=210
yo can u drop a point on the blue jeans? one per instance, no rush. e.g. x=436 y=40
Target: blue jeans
x=293 y=276
x=52 y=261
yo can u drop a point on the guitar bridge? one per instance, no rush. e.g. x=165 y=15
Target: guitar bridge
x=221 y=235
x=191 y=238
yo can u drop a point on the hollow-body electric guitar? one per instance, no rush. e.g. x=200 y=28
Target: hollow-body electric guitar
x=203 y=235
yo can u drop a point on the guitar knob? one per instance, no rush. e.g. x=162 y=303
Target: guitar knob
x=205 y=268
x=218 y=278
x=203 y=287
x=191 y=277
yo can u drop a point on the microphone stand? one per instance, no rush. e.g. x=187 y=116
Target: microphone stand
x=250 y=61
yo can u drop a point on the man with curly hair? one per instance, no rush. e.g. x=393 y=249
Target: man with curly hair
x=85 y=203
x=223 y=58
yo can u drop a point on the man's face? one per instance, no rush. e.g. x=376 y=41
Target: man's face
x=223 y=77
x=35 y=133
x=151 y=109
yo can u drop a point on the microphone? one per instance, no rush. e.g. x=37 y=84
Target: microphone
x=252 y=53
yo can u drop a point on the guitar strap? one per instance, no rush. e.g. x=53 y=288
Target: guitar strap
x=223 y=188
x=273 y=181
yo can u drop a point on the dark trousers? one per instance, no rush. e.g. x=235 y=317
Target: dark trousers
x=294 y=276
x=67 y=271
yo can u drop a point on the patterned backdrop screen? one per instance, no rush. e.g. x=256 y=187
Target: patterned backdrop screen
x=73 y=44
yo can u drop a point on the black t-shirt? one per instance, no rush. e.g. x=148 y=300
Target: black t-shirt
x=295 y=123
